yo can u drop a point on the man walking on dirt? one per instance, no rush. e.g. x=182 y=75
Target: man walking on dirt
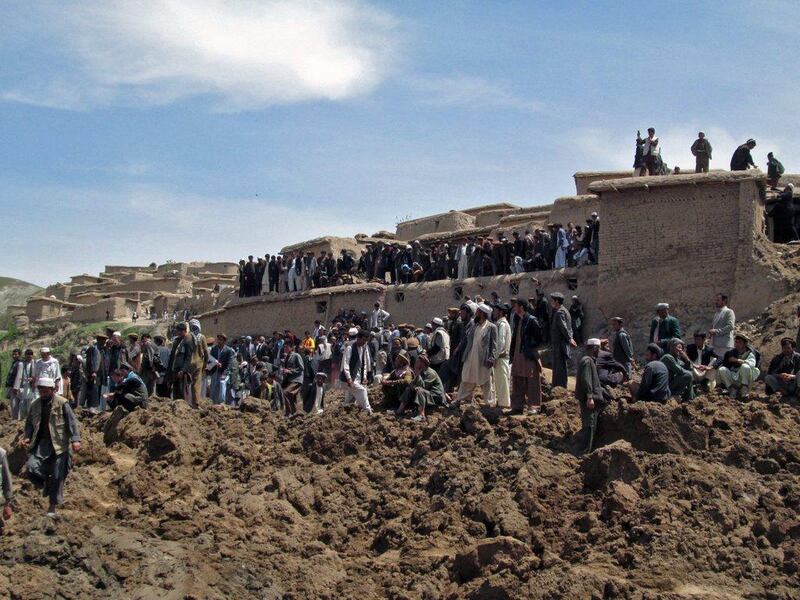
x=589 y=393
x=51 y=435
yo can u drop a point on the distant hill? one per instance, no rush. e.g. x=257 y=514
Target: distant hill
x=14 y=291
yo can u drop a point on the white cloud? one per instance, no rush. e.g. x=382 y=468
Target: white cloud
x=243 y=54
x=602 y=149
x=470 y=92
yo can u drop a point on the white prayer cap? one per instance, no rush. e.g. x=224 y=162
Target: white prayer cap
x=594 y=214
x=428 y=326
x=45 y=350
x=661 y=305
x=790 y=186
x=46 y=382
x=352 y=332
x=438 y=322
x=473 y=306
x=485 y=308
x=593 y=342
x=116 y=334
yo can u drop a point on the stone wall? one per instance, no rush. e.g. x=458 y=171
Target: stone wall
x=681 y=240
x=575 y=209
x=445 y=222
x=584 y=178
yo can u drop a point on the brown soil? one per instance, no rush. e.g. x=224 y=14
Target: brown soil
x=680 y=501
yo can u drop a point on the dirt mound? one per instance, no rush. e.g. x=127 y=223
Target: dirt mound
x=678 y=501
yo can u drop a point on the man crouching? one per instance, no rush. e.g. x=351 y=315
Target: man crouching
x=51 y=434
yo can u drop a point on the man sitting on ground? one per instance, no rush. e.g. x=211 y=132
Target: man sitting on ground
x=680 y=371
x=782 y=373
x=702 y=357
x=654 y=386
x=738 y=369
x=128 y=389
x=396 y=382
x=426 y=390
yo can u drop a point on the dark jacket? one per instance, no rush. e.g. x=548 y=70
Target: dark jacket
x=777 y=364
x=741 y=159
x=655 y=382
x=531 y=337
x=706 y=357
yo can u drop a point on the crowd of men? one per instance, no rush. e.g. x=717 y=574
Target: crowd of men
x=555 y=246
x=489 y=344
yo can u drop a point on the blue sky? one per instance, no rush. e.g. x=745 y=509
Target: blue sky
x=203 y=129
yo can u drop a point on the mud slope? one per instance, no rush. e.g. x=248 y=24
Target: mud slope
x=694 y=501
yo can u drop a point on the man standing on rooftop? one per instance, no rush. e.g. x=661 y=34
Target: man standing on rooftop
x=701 y=150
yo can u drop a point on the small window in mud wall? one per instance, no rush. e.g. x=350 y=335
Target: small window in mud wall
x=572 y=283
x=513 y=288
x=458 y=292
x=399 y=296
x=322 y=307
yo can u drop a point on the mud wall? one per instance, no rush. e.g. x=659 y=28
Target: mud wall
x=265 y=314
x=681 y=240
x=452 y=221
x=118 y=308
x=491 y=217
x=575 y=209
x=326 y=244
x=583 y=179
x=166 y=284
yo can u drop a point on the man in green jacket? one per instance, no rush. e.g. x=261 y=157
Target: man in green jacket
x=425 y=390
x=589 y=392
x=680 y=371
x=664 y=327
x=701 y=150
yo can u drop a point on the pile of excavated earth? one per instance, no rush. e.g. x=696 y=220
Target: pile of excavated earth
x=692 y=501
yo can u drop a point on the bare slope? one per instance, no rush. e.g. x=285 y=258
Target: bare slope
x=15 y=292
x=693 y=501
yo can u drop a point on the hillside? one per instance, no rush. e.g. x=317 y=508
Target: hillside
x=15 y=292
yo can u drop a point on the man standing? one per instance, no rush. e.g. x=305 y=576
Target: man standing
x=51 y=433
x=292 y=372
x=16 y=359
x=356 y=366
x=47 y=366
x=742 y=159
x=664 y=327
x=502 y=368
x=16 y=366
x=783 y=369
x=722 y=326
x=480 y=356
x=184 y=368
x=621 y=345
x=24 y=388
x=651 y=151
x=526 y=366
x=5 y=487
x=701 y=150
x=774 y=171
x=438 y=344
x=223 y=355
x=561 y=339
x=589 y=393
x=147 y=368
x=378 y=317
x=162 y=384
x=93 y=374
